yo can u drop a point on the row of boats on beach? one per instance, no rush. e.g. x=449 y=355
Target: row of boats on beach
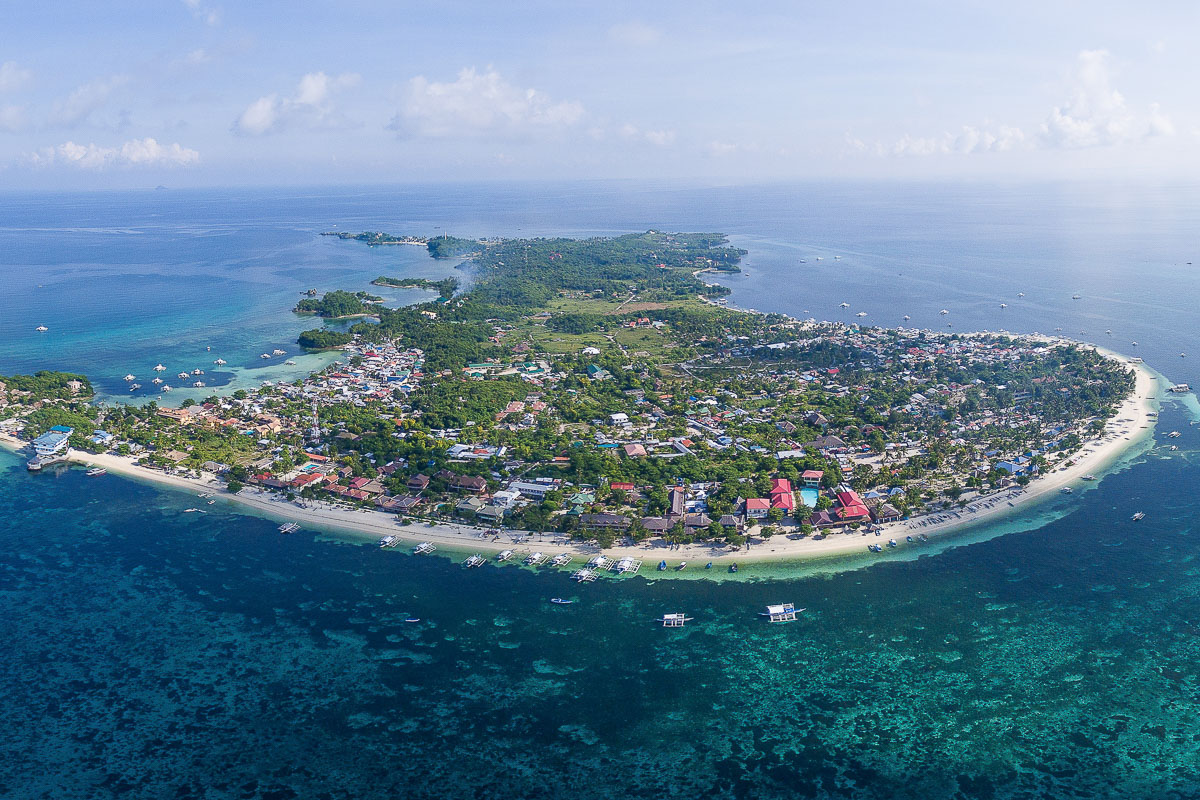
x=586 y=574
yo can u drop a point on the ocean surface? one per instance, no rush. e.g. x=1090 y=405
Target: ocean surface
x=152 y=653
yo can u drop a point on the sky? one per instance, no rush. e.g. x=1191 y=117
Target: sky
x=214 y=92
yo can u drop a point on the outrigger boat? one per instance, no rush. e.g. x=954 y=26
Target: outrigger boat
x=558 y=601
x=96 y=472
x=676 y=620
x=424 y=548
x=782 y=612
x=475 y=560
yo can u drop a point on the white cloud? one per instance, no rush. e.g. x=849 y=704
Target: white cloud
x=310 y=106
x=634 y=34
x=661 y=138
x=84 y=101
x=1096 y=114
x=968 y=140
x=720 y=149
x=260 y=116
x=133 y=153
x=479 y=103
x=13 y=118
x=198 y=56
x=13 y=77
x=210 y=15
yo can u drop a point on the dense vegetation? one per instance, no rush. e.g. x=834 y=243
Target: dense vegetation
x=337 y=304
x=527 y=273
x=446 y=287
x=521 y=276
x=323 y=338
x=453 y=247
x=48 y=384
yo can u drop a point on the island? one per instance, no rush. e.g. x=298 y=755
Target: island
x=597 y=398
x=340 y=305
x=446 y=287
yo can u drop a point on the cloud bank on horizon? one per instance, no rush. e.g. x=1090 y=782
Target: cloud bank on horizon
x=204 y=93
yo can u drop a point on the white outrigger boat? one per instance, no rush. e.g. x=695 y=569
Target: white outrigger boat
x=676 y=620
x=626 y=565
x=782 y=612
x=424 y=548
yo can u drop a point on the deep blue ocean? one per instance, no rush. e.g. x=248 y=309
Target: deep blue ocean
x=149 y=653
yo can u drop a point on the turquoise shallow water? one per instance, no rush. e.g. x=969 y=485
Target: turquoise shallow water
x=150 y=653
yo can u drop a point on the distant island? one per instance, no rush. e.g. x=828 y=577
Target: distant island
x=600 y=389
x=339 y=305
x=446 y=287
x=377 y=237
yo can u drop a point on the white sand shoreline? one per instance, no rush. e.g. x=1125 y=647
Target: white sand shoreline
x=1132 y=423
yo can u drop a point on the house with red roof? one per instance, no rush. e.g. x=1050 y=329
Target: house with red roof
x=300 y=481
x=757 y=507
x=851 y=507
x=781 y=495
x=812 y=477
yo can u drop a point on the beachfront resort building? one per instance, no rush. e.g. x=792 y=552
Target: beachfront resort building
x=53 y=442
